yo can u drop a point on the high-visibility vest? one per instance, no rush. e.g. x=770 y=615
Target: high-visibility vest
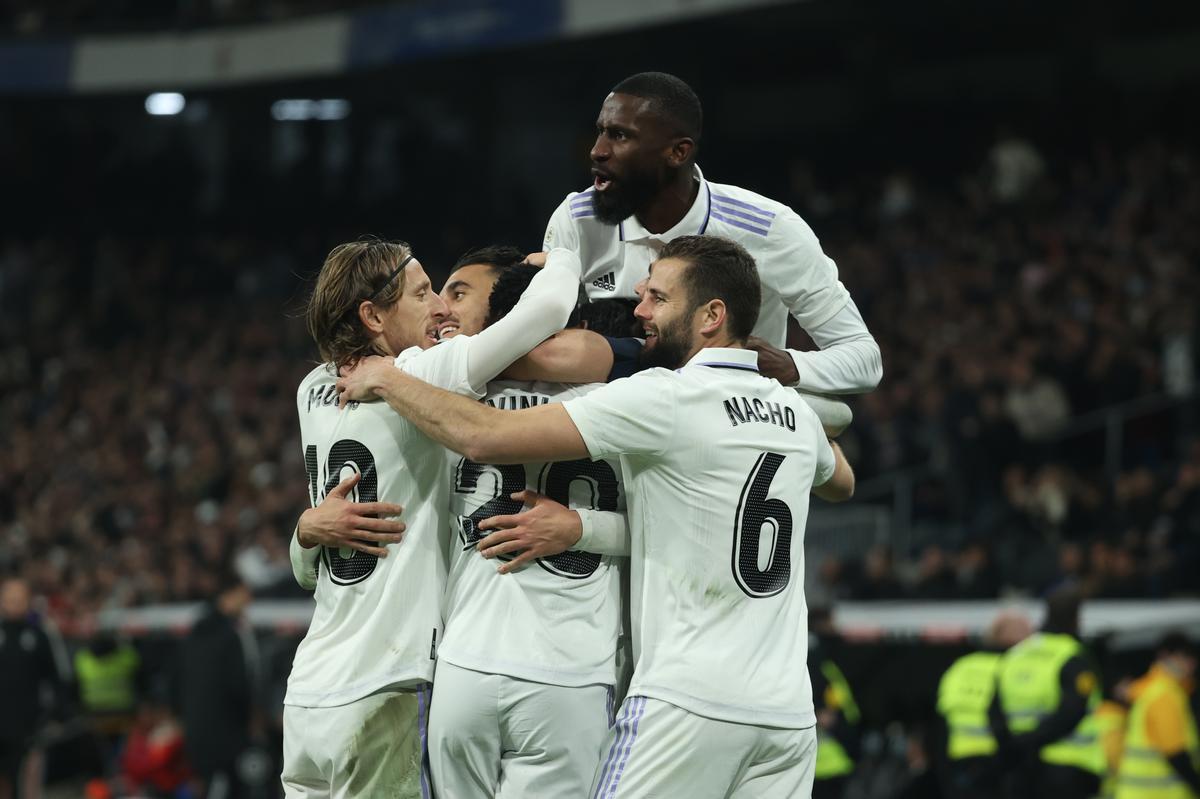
x=1110 y=726
x=1144 y=772
x=832 y=758
x=1028 y=685
x=106 y=683
x=964 y=695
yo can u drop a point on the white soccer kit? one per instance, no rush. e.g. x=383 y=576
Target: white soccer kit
x=522 y=645
x=797 y=277
x=718 y=465
x=377 y=622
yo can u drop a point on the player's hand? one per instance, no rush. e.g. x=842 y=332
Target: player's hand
x=537 y=259
x=338 y=522
x=774 y=362
x=546 y=529
x=359 y=381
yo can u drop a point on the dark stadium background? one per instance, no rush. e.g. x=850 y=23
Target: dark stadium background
x=152 y=269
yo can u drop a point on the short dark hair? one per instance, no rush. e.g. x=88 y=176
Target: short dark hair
x=720 y=269
x=508 y=288
x=610 y=317
x=672 y=98
x=497 y=256
x=1062 y=611
x=1176 y=643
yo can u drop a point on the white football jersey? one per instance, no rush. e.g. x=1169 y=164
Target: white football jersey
x=718 y=463
x=378 y=621
x=557 y=620
x=797 y=276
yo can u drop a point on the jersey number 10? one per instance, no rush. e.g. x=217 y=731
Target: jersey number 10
x=346 y=566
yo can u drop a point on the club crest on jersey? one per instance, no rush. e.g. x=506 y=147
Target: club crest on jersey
x=606 y=282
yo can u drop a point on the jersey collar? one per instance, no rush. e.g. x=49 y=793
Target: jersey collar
x=694 y=222
x=726 y=358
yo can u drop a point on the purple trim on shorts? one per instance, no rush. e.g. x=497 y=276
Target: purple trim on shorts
x=762 y=231
x=615 y=747
x=638 y=711
x=721 y=198
x=422 y=732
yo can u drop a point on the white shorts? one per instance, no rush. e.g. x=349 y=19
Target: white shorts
x=659 y=751
x=497 y=736
x=375 y=746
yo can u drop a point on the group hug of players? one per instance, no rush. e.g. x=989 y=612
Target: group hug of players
x=590 y=583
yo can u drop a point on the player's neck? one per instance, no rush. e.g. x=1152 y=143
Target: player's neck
x=671 y=204
x=716 y=342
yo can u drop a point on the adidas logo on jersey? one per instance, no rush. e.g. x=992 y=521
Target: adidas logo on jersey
x=606 y=282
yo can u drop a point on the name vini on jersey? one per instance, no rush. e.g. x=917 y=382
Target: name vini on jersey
x=743 y=409
x=506 y=402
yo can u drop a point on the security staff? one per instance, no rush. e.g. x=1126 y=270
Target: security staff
x=838 y=737
x=1041 y=714
x=968 y=765
x=1161 y=758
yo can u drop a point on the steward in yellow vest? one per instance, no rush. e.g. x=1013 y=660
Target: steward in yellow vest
x=1161 y=757
x=838 y=735
x=968 y=765
x=1042 y=714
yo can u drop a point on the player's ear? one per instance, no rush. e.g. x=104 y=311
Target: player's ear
x=712 y=316
x=368 y=314
x=680 y=152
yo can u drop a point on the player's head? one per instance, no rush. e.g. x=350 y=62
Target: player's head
x=647 y=131
x=372 y=298
x=703 y=291
x=610 y=317
x=470 y=284
x=14 y=599
x=508 y=288
x=1177 y=653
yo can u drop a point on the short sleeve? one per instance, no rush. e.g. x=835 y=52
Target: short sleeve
x=631 y=416
x=444 y=365
x=800 y=272
x=826 y=460
x=561 y=230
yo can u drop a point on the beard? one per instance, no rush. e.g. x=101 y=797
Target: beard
x=625 y=196
x=671 y=349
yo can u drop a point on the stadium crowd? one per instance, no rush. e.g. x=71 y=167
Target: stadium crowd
x=24 y=17
x=150 y=442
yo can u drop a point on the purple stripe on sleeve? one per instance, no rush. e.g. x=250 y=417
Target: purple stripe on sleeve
x=590 y=212
x=610 y=761
x=762 y=231
x=723 y=200
x=743 y=215
x=637 y=718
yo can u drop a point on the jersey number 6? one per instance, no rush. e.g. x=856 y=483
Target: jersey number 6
x=756 y=515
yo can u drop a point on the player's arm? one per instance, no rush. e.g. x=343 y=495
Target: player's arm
x=849 y=361
x=481 y=433
x=839 y=487
x=338 y=522
x=541 y=312
x=548 y=528
x=569 y=356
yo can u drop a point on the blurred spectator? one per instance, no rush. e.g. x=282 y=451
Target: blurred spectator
x=152 y=761
x=218 y=678
x=34 y=688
